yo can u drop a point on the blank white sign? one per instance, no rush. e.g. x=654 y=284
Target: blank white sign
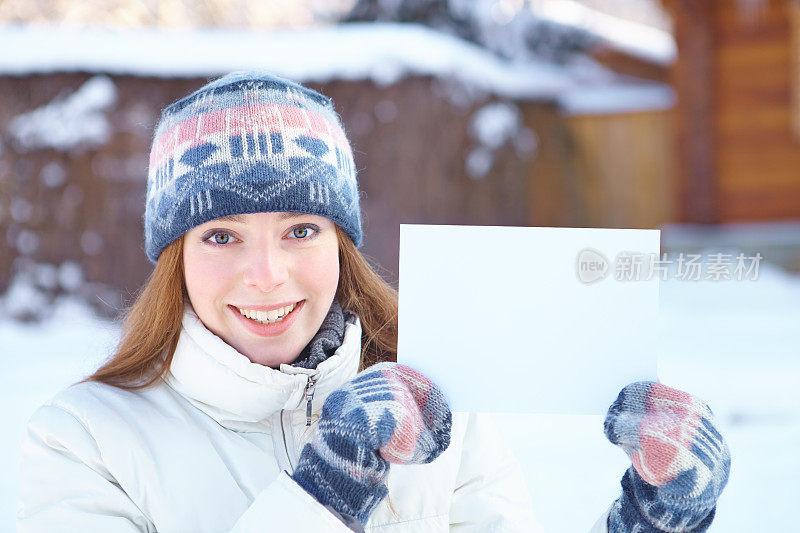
x=517 y=319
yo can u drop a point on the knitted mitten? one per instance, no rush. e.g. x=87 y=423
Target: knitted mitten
x=680 y=460
x=389 y=413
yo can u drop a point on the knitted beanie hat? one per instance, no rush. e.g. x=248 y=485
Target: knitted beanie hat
x=249 y=142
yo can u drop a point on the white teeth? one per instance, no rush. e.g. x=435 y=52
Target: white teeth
x=268 y=317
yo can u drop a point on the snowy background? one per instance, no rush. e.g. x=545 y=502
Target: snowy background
x=733 y=343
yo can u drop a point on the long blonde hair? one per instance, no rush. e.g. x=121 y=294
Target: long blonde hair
x=152 y=324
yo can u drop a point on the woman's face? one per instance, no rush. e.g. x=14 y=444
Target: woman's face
x=280 y=269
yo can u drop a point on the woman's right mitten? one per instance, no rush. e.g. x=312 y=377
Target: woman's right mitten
x=389 y=413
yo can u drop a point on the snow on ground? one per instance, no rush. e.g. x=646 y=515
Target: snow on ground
x=734 y=344
x=38 y=361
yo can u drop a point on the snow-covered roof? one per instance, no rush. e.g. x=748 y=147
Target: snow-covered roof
x=619 y=98
x=635 y=38
x=381 y=52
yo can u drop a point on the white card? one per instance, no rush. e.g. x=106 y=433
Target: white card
x=536 y=320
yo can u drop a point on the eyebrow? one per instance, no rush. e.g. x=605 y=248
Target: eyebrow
x=232 y=218
x=240 y=219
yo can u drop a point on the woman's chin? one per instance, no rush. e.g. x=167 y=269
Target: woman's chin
x=270 y=358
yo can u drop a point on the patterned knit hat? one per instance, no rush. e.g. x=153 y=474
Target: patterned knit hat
x=249 y=142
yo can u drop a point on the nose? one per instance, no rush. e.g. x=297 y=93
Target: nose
x=266 y=268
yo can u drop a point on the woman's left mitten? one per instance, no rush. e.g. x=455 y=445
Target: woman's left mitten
x=389 y=413
x=680 y=460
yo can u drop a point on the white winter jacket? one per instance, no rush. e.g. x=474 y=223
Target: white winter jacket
x=211 y=448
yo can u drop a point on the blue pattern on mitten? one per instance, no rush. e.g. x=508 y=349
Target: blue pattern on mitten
x=680 y=460
x=388 y=414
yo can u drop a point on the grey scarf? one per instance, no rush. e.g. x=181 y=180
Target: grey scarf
x=327 y=340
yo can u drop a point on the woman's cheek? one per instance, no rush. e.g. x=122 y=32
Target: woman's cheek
x=325 y=270
x=205 y=275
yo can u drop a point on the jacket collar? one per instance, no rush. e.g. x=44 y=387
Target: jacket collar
x=240 y=394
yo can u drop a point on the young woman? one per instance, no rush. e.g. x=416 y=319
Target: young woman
x=254 y=388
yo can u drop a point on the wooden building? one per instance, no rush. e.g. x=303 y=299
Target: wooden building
x=737 y=77
x=420 y=156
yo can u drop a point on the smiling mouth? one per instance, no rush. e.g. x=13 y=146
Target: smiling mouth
x=268 y=317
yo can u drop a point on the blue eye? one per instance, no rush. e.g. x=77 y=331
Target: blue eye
x=220 y=238
x=302 y=232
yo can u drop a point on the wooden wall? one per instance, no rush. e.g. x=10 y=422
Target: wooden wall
x=738 y=86
x=410 y=157
x=410 y=141
x=627 y=164
x=758 y=159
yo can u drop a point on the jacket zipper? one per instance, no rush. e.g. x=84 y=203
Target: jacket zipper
x=309 y=394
